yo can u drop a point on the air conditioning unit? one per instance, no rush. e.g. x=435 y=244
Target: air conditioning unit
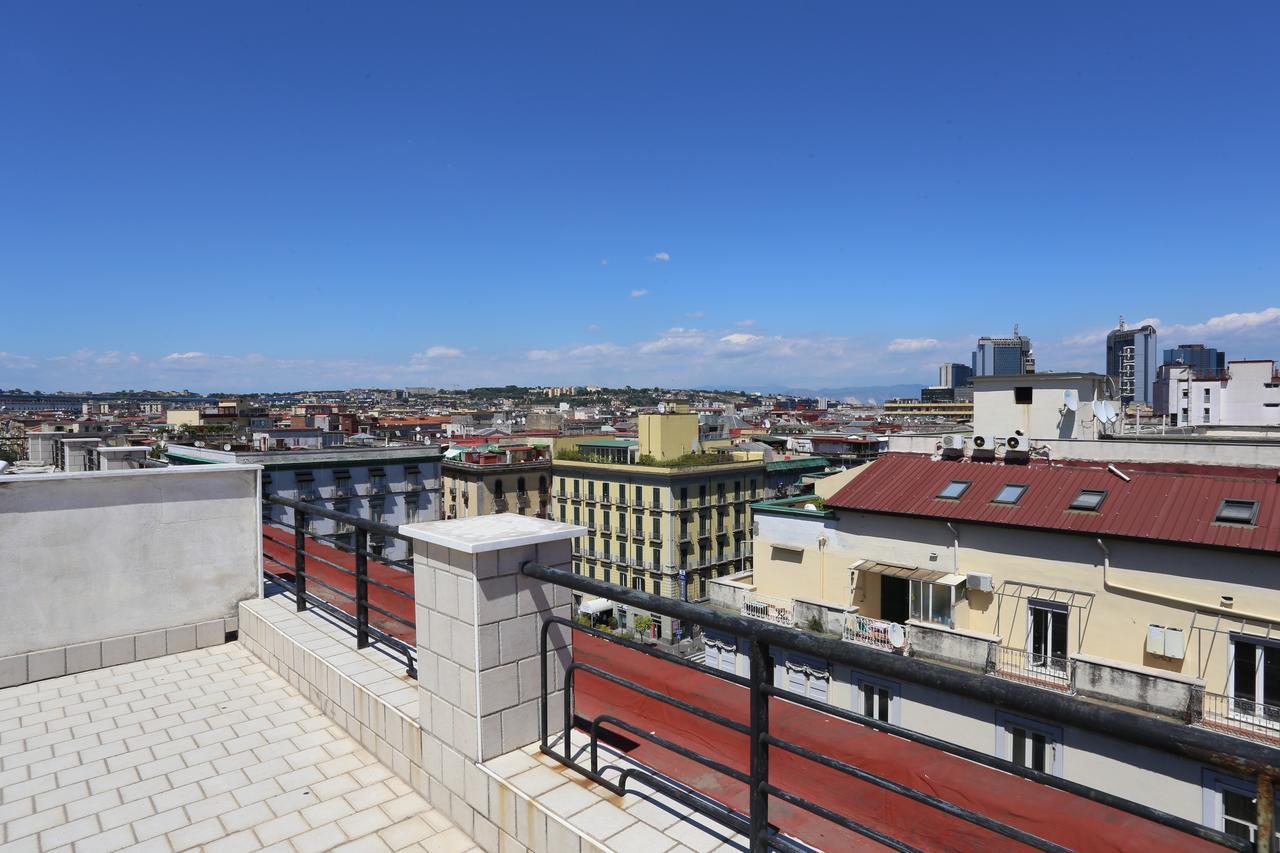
x=1017 y=443
x=979 y=581
x=984 y=442
x=953 y=442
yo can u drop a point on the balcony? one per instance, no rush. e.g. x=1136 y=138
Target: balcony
x=1241 y=717
x=776 y=610
x=1037 y=670
x=876 y=633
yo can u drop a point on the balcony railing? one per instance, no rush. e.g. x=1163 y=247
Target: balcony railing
x=876 y=633
x=1036 y=669
x=342 y=578
x=765 y=786
x=775 y=610
x=1242 y=717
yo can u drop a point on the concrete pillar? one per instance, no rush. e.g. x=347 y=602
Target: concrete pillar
x=479 y=628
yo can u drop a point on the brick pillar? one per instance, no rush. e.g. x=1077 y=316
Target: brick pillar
x=479 y=628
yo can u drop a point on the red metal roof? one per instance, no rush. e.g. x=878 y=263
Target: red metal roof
x=1155 y=505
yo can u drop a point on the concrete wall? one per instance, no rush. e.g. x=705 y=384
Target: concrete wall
x=1178 y=449
x=90 y=556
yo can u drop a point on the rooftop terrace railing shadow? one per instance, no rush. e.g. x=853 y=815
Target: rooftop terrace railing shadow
x=839 y=779
x=350 y=585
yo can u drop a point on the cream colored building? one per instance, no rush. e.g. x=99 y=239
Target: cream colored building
x=1138 y=587
x=663 y=517
x=489 y=479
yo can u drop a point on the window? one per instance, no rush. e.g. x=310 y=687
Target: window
x=953 y=490
x=808 y=677
x=1206 y=395
x=1232 y=511
x=542 y=484
x=657 y=585
x=520 y=490
x=1022 y=394
x=657 y=498
x=1231 y=806
x=1010 y=493
x=875 y=698
x=1205 y=418
x=1089 y=500
x=561 y=512
x=1028 y=743
x=1255 y=678
x=933 y=602
x=577 y=484
x=721 y=651
x=1047 y=635
x=637 y=582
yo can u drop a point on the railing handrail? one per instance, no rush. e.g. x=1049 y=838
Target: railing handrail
x=1161 y=735
x=756 y=824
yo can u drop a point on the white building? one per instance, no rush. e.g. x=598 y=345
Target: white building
x=1039 y=406
x=1246 y=394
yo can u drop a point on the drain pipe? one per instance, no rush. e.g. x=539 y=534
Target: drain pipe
x=955 y=549
x=1161 y=596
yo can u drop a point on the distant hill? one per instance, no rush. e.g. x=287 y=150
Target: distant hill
x=862 y=392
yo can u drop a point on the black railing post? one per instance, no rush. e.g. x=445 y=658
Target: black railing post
x=759 y=797
x=300 y=559
x=362 y=588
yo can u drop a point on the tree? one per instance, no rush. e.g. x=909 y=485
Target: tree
x=643 y=623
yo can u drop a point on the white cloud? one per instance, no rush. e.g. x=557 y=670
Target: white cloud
x=662 y=256
x=442 y=352
x=183 y=356
x=1239 y=323
x=913 y=344
x=13 y=361
x=740 y=339
x=593 y=327
x=636 y=294
x=746 y=324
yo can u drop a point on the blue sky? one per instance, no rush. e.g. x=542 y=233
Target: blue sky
x=242 y=196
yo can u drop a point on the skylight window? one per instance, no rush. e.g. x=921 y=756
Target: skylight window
x=953 y=490
x=1237 y=511
x=1089 y=500
x=1010 y=493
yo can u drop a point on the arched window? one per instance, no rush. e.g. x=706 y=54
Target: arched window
x=497 y=489
x=542 y=485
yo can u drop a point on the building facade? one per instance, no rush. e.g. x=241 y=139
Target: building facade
x=1003 y=356
x=1132 y=360
x=389 y=485
x=954 y=375
x=1200 y=358
x=1247 y=393
x=1114 y=588
x=660 y=517
x=492 y=478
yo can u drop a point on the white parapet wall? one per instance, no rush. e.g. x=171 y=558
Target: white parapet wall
x=105 y=567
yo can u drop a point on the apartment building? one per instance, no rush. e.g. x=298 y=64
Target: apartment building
x=483 y=478
x=1148 y=586
x=661 y=516
x=1247 y=393
x=390 y=485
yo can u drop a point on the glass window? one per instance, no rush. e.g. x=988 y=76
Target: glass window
x=931 y=602
x=1029 y=743
x=1047 y=635
x=1089 y=500
x=1022 y=394
x=954 y=489
x=876 y=699
x=1010 y=493
x=1237 y=511
x=1232 y=807
x=1255 y=679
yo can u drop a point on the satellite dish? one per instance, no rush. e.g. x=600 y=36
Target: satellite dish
x=1071 y=397
x=897 y=636
x=1099 y=410
x=226 y=447
x=662 y=408
x=1110 y=409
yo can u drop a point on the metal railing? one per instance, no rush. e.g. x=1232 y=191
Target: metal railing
x=350 y=583
x=1242 y=717
x=876 y=633
x=760 y=639
x=1037 y=669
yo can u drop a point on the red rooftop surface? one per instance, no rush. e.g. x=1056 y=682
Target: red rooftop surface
x=1155 y=505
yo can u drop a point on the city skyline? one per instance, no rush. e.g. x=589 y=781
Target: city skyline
x=620 y=196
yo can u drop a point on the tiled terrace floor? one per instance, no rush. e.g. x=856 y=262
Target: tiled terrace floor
x=207 y=749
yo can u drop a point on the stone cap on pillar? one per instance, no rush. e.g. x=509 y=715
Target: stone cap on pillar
x=484 y=533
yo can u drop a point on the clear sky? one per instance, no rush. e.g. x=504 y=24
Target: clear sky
x=236 y=196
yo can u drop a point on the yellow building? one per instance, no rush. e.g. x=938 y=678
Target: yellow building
x=484 y=479
x=663 y=517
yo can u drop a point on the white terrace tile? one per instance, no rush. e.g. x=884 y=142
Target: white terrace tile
x=207 y=749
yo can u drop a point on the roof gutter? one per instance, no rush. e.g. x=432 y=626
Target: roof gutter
x=1160 y=596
